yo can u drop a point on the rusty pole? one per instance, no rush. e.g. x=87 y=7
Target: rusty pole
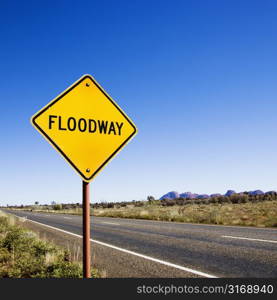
x=86 y=231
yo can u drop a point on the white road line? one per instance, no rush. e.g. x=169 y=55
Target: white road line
x=109 y=223
x=249 y=239
x=67 y=218
x=135 y=253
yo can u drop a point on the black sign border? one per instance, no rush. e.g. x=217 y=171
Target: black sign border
x=33 y=121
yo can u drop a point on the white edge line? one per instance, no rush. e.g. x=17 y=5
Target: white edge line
x=249 y=239
x=134 y=253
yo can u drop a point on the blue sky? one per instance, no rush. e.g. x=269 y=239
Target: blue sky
x=198 y=78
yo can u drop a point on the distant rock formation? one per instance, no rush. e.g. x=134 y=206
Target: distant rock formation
x=257 y=192
x=188 y=195
x=170 y=195
x=203 y=196
x=230 y=192
x=215 y=195
x=270 y=192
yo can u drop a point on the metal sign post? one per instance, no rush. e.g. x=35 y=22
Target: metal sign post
x=86 y=231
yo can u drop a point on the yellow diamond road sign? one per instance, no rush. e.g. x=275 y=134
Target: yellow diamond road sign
x=86 y=126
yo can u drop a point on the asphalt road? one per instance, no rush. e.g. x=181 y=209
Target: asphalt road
x=220 y=251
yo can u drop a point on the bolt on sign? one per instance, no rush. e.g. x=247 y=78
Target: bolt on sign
x=85 y=125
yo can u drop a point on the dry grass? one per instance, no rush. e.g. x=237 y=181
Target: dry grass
x=261 y=214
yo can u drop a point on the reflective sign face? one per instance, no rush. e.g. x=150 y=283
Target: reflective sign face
x=85 y=125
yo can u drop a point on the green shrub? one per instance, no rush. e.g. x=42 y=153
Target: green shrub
x=23 y=255
x=57 y=207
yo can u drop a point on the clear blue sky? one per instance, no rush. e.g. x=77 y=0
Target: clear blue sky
x=198 y=78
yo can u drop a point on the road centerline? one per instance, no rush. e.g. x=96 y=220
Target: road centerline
x=110 y=223
x=248 y=239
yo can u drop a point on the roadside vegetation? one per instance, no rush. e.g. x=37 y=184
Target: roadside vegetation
x=263 y=214
x=238 y=209
x=24 y=255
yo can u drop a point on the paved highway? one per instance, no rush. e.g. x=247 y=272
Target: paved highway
x=175 y=249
